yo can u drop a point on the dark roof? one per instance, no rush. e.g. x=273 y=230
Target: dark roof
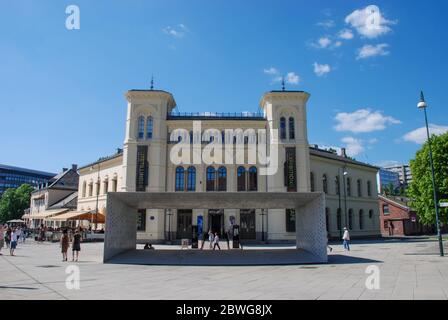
x=283 y=91
x=149 y=90
x=28 y=171
x=401 y=201
x=100 y=160
x=330 y=155
x=63 y=202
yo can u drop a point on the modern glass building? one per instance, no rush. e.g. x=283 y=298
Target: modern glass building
x=387 y=177
x=13 y=177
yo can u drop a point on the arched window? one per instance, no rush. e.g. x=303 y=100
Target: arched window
x=327 y=218
x=370 y=214
x=114 y=184
x=84 y=185
x=359 y=187
x=339 y=220
x=361 y=219
x=369 y=188
x=349 y=187
x=191 y=179
x=292 y=129
x=337 y=184
x=241 y=179
x=282 y=128
x=97 y=187
x=325 y=183
x=253 y=184
x=222 y=179
x=312 y=182
x=350 y=219
x=180 y=179
x=211 y=178
x=149 y=127
x=141 y=127
x=90 y=189
x=105 y=186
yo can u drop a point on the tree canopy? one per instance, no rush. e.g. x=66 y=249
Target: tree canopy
x=14 y=201
x=421 y=190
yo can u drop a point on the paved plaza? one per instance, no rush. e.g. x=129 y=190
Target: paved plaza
x=409 y=269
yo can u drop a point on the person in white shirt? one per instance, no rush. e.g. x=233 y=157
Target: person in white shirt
x=216 y=242
x=13 y=244
x=346 y=239
x=210 y=238
x=18 y=233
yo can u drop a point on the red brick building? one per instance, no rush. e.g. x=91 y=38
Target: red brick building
x=398 y=219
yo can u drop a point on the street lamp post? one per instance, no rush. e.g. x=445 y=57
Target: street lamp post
x=169 y=214
x=262 y=214
x=422 y=105
x=97 y=195
x=340 y=206
x=344 y=174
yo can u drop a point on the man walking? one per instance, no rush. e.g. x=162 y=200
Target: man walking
x=346 y=239
x=2 y=238
x=216 y=242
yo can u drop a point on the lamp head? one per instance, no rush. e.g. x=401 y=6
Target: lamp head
x=422 y=104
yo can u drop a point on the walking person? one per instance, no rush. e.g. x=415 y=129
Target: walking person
x=2 y=238
x=76 y=246
x=346 y=239
x=18 y=233
x=8 y=237
x=211 y=238
x=227 y=235
x=13 y=244
x=65 y=243
x=328 y=240
x=216 y=241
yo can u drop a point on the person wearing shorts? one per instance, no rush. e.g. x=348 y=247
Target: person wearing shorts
x=13 y=243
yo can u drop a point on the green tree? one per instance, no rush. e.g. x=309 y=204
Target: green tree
x=14 y=201
x=420 y=190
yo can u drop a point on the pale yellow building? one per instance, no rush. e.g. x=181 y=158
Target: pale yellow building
x=145 y=164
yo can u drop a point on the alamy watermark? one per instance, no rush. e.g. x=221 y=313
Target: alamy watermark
x=222 y=144
x=73 y=280
x=73 y=21
x=373 y=280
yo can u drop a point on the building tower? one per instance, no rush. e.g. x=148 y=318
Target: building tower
x=285 y=111
x=145 y=144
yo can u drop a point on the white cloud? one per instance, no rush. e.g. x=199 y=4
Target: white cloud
x=353 y=146
x=387 y=163
x=369 y=51
x=346 y=34
x=292 y=78
x=322 y=43
x=178 y=31
x=321 y=69
x=363 y=120
x=419 y=135
x=326 y=24
x=271 y=71
x=369 y=22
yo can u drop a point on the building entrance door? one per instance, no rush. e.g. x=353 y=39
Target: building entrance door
x=247 y=224
x=216 y=221
x=184 y=224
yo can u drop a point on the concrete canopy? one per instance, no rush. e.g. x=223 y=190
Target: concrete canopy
x=121 y=219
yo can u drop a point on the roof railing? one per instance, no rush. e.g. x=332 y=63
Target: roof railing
x=248 y=115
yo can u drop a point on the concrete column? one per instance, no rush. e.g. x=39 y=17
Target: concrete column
x=310 y=228
x=121 y=222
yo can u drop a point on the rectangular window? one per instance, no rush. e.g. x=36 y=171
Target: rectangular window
x=386 y=209
x=141 y=220
x=290 y=220
x=290 y=170
x=142 y=168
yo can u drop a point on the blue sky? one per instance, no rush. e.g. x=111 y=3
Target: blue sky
x=62 y=90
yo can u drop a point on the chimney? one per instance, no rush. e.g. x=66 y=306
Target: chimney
x=75 y=167
x=344 y=152
x=64 y=169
